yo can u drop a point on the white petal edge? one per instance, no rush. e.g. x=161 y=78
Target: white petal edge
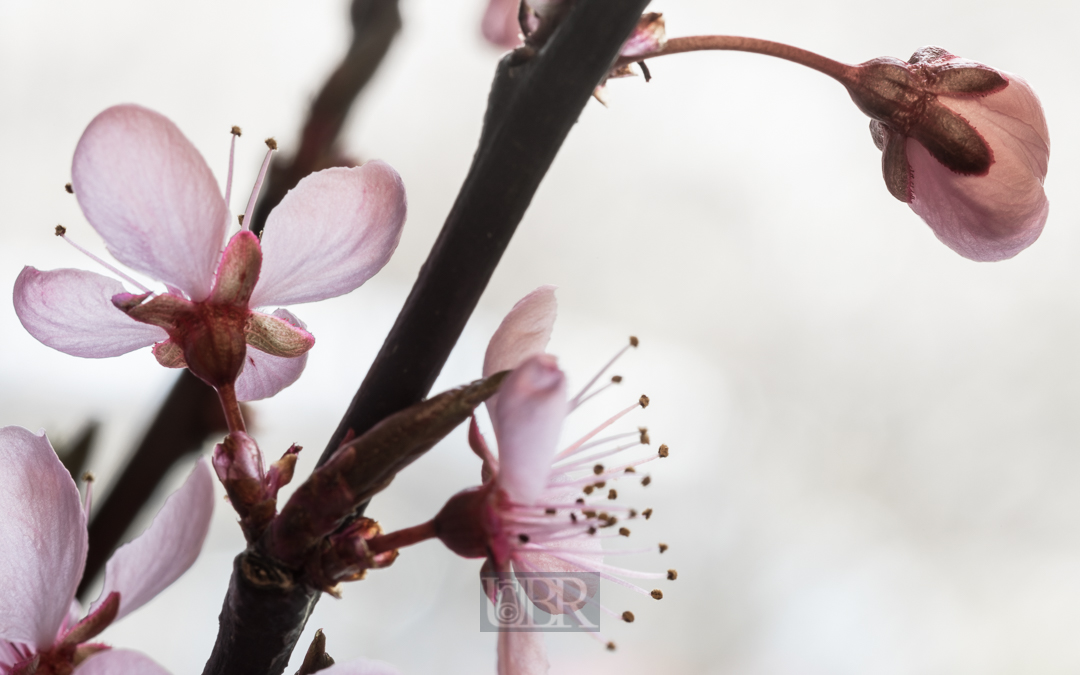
x=42 y=539
x=72 y=311
x=151 y=196
x=330 y=234
x=361 y=667
x=263 y=374
x=147 y=565
x=527 y=423
x=120 y=662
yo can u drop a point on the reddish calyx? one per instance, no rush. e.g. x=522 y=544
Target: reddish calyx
x=74 y=647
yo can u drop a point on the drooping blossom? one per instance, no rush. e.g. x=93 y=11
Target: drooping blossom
x=532 y=514
x=148 y=192
x=43 y=544
x=965 y=145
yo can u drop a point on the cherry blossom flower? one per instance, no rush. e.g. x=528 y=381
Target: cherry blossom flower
x=151 y=196
x=966 y=147
x=43 y=543
x=532 y=513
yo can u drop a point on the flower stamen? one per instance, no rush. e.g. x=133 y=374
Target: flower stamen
x=232 y=155
x=584 y=395
x=246 y=223
x=61 y=232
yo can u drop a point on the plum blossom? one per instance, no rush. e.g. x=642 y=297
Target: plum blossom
x=43 y=544
x=967 y=148
x=532 y=512
x=148 y=192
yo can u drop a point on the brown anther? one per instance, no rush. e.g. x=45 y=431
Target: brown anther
x=647 y=513
x=663 y=451
x=644 y=401
x=611 y=520
x=631 y=469
x=88 y=477
x=70 y=190
x=657 y=594
x=241 y=219
x=588 y=489
x=633 y=341
x=628 y=617
x=646 y=480
x=235 y=131
x=604 y=515
x=271 y=143
x=614 y=378
x=644 y=440
x=579 y=500
x=663 y=547
x=611 y=646
x=592 y=530
x=612 y=494
x=598 y=469
x=60 y=230
x=589 y=514
x=599 y=485
x=632 y=514
x=573 y=517
x=672 y=575
x=624 y=531
x=523 y=538
x=549 y=512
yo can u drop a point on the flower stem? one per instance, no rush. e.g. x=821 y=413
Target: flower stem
x=840 y=72
x=233 y=417
x=401 y=538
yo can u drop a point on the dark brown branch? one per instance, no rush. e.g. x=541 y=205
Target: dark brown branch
x=375 y=24
x=189 y=415
x=532 y=107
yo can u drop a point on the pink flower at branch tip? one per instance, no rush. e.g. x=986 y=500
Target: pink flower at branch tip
x=965 y=145
x=531 y=515
x=148 y=192
x=43 y=544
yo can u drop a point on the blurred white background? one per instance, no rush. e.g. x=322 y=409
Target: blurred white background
x=874 y=441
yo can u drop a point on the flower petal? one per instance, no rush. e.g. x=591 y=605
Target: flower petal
x=522 y=653
x=42 y=542
x=500 y=25
x=72 y=311
x=120 y=662
x=361 y=667
x=144 y=567
x=150 y=195
x=527 y=423
x=264 y=374
x=330 y=233
x=524 y=332
x=997 y=215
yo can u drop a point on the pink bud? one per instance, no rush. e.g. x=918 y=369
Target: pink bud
x=966 y=146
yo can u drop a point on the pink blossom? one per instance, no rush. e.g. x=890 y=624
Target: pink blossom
x=151 y=196
x=532 y=515
x=968 y=152
x=43 y=543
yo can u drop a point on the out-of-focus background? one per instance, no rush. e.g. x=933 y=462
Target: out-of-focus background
x=875 y=445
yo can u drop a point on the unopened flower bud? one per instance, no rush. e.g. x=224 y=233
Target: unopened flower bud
x=966 y=146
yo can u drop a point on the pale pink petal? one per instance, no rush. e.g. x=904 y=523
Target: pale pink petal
x=527 y=423
x=120 y=662
x=524 y=332
x=264 y=374
x=522 y=653
x=152 y=198
x=9 y=654
x=42 y=539
x=144 y=567
x=72 y=311
x=330 y=233
x=991 y=217
x=361 y=667
x=500 y=25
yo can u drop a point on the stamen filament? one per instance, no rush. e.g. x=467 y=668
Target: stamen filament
x=577 y=400
x=228 y=177
x=111 y=268
x=250 y=210
x=577 y=445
